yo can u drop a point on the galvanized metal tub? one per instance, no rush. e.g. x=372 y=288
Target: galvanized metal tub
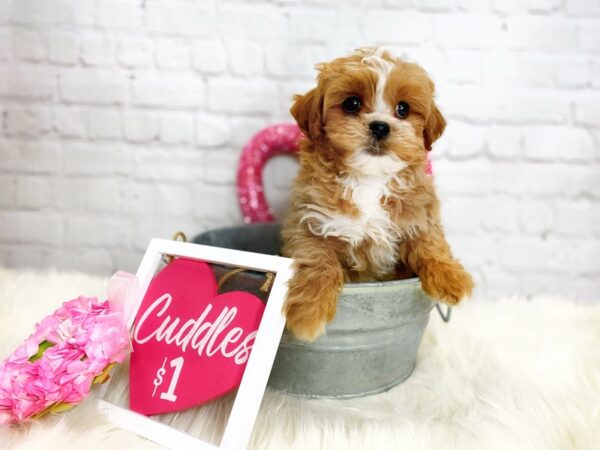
x=369 y=347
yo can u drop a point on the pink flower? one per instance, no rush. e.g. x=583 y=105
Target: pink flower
x=106 y=339
x=46 y=329
x=6 y=407
x=19 y=356
x=82 y=338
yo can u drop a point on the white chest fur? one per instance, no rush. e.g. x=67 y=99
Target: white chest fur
x=373 y=222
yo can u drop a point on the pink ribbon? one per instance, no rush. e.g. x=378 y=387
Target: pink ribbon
x=121 y=292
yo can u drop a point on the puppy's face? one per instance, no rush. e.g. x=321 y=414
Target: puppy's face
x=375 y=113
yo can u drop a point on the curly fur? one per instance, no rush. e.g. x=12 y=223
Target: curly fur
x=364 y=209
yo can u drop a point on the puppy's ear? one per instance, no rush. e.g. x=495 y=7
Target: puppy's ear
x=307 y=110
x=434 y=127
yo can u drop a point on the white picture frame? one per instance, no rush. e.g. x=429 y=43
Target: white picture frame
x=251 y=390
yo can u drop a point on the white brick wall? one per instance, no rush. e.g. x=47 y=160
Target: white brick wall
x=123 y=120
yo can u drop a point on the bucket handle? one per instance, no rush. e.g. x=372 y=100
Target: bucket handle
x=445 y=317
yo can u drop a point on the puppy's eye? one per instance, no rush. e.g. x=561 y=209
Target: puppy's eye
x=351 y=104
x=402 y=109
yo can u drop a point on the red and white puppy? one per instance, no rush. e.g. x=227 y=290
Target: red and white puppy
x=363 y=207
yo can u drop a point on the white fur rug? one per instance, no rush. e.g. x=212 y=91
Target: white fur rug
x=501 y=375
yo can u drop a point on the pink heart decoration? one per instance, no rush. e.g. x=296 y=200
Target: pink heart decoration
x=190 y=345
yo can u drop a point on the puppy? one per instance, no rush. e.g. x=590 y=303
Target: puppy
x=363 y=207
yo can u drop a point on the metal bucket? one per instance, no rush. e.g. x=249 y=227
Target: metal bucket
x=369 y=347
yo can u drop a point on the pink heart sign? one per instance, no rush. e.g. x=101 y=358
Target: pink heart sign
x=190 y=345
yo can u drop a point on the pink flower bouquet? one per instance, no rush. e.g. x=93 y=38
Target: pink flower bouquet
x=55 y=367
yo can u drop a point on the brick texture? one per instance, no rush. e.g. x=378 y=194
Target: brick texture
x=124 y=120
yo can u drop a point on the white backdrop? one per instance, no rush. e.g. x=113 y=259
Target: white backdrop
x=123 y=120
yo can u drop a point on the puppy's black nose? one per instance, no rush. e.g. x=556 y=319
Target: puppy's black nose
x=379 y=129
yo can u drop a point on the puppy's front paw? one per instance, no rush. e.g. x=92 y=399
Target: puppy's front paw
x=449 y=283
x=311 y=303
x=305 y=321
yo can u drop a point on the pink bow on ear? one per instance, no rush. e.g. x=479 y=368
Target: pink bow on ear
x=121 y=291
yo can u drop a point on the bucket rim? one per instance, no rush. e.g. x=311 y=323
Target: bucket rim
x=406 y=282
